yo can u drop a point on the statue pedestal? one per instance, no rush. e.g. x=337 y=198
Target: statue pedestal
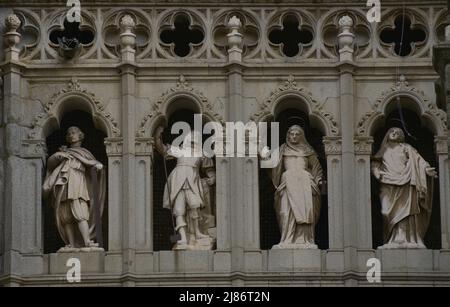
x=294 y=246
x=93 y=248
x=196 y=244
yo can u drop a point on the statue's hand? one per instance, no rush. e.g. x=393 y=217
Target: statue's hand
x=211 y=181
x=377 y=173
x=431 y=171
x=98 y=166
x=265 y=152
x=62 y=156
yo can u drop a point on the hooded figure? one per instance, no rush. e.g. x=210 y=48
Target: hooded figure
x=297 y=178
x=68 y=188
x=406 y=191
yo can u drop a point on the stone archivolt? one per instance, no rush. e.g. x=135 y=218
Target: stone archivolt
x=289 y=89
x=403 y=89
x=73 y=90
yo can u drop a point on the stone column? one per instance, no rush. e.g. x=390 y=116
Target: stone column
x=444 y=188
x=29 y=189
x=333 y=152
x=363 y=152
x=114 y=153
x=441 y=61
x=12 y=200
x=144 y=194
x=347 y=106
x=127 y=71
x=236 y=166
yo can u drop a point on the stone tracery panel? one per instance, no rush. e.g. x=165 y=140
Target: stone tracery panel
x=111 y=32
x=361 y=29
x=250 y=30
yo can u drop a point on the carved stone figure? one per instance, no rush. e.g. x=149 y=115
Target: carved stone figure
x=406 y=191
x=297 y=179
x=188 y=192
x=68 y=187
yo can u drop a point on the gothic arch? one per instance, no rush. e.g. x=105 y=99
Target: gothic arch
x=71 y=98
x=434 y=118
x=289 y=89
x=168 y=101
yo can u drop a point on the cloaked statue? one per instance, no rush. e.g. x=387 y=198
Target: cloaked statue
x=75 y=186
x=406 y=191
x=297 y=178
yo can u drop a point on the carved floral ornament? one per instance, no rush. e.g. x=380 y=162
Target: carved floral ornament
x=289 y=88
x=403 y=89
x=73 y=90
x=181 y=90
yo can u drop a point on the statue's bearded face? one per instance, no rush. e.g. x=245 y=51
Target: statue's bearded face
x=396 y=135
x=295 y=136
x=74 y=135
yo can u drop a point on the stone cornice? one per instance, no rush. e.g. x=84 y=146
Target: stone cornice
x=323 y=3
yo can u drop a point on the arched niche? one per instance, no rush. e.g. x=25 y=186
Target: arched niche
x=73 y=113
x=292 y=110
x=183 y=109
x=420 y=132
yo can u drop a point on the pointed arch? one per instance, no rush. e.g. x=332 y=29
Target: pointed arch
x=434 y=118
x=192 y=98
x=71 y=98
x=289 y=90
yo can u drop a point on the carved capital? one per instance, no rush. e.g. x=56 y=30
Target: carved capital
x=333 y=146
x=442 y=145
x=34 y=149
x=363 y=146
x=144 y=146
x=114 y=146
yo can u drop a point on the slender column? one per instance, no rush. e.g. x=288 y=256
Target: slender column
x=13 y=204
x=363 y=151
x=127 y=71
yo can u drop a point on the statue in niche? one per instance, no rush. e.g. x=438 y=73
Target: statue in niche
x=188 y=192
x=69 y=188
x=297 y=178
x=406 y=191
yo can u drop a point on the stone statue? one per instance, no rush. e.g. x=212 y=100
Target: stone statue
x=406 y=191
x=297 y=179
x=68 y=187
x=188 y=192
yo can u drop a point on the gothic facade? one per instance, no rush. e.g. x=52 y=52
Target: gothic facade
x=319 y=64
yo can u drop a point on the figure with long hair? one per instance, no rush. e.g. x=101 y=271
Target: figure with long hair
x=406 y=191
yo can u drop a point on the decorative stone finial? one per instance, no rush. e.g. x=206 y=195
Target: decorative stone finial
x=234 y=39
x=127 y=23
x=346 y=22
x=127 y=37
x=346 y=38
x=12 y=23
x=12 y=37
